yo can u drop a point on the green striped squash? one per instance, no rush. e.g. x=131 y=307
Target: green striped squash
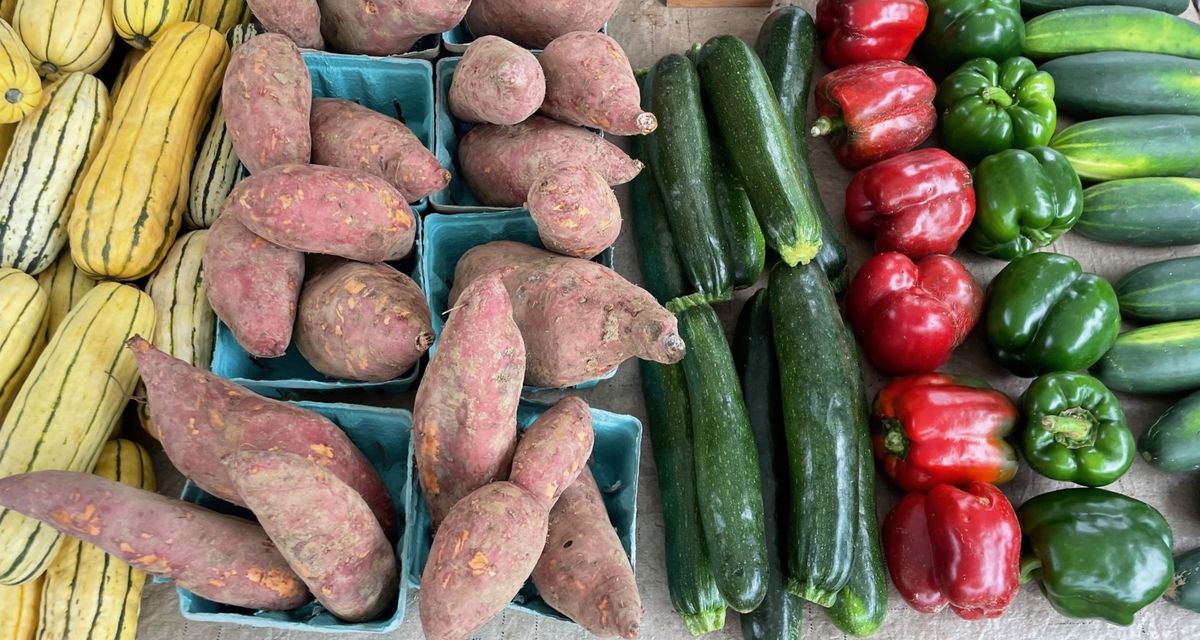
x=221 y=15
x=23 y=307
x=65 y=285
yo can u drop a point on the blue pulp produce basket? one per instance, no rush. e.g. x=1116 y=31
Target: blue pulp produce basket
x=385 y=438
x=459 y=38
x=614 y=463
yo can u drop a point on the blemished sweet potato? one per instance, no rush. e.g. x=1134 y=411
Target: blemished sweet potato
x=218 y=557
x=386 y=27
x=496 y=82
x=329 y=210
x=201 y=418
x=575 y=211
x=322 y=527
x=584 y=572
x=253 y=286
x=579 y=319
x=589 y=83
x=535 y=24
x=267 y=99
x=351 y=136
x=554 y=449
x=465 y=413
x=362 y=321
x=500 y=164
x=299 y=20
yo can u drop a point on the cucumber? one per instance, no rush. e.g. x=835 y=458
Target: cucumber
x=787 y=46
x=1185 y=588
x=1172 y=443
x=1132 y=147
x=1110 y=28
x=1120 y=83
x=1161 y=358
x=780 y=615
x=1142 y=212
x=818 y=372
x=1037 y=7
x=756 y=135
x=1161 y=291
x=661 y=273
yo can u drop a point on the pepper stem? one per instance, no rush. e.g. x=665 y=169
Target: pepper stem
x=998 y=96
x=895 y=441
x=826 y=125
x=1074 y=428
x=1029 y=565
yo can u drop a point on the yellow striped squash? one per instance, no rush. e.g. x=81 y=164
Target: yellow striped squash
x=23 y=315
x=19 y=611
x=66 y=409
x=88 y=593
x=221 y=15
x=65 y=286
x=142 y=23
x=7 y=9
x=44 y=165
x=64 y=36
x=128 y=63
x=20 y=85
x=132 y=198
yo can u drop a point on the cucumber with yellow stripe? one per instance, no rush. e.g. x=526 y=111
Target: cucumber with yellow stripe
x=23 y=315
x=19 y=608
x=1161 y=291
x=221 y=15
x=64 y=36
x=1121 y=83
x=1160 y=358
x=1132 y=147
x=20 y=85
x=1110 y=28
x=1142 y=212
x=65 y=285
x=142 y=23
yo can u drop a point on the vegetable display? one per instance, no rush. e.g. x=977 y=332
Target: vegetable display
x=298 y=20
x=866 y=30
x=1142 y=212
x=1132 y=147
x=576 y=212
x=589 y=83
x=53 y=32
x=1110 y=28
x=1182 y=591
x=19 y=79
x=535 y=25
x=1074 y=430
x=1160 y=358
x=962 y=30
x=1118 y=83
x=24 y=315
x=1170 y=443
x=987 y=107
x=266 y=98
x=478 y=93
x=1025 y=200
x=1161 y=291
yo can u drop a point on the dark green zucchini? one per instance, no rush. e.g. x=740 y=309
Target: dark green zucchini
x=1142 y=212
x=1160 y=358
x=1122 y=83
x=1132 y=147
x=1037 y=7
x=1185 y=588
x=1172 y=443
x=662 y=275
x=1161 y=291
x=1110 y=28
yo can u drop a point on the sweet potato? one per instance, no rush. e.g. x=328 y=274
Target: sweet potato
x=496 y=82
x=253 y=286
x=338 y=212
x=299 y=20
x=535 y=24
x=589 y=83
x=322 y=527
x=202 y=418
x=554 y=450
x=584 y=572
x=267 y=98
x=502 y=163
x=579 y=319
x=218 y=557
x=362 y=322
x=386 y=27
x=351 y=136
x=575 y=211
x=465 y=413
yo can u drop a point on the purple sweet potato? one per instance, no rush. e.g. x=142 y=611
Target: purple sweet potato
x=253 y=286
x=589 y=83
x=323 y=528
x=299 y=20
x=579 y=319
x=502 y=163
x=386 y=27
x=267 y=98
x=362 y=322
x=329 y=210
x=496 y=82
x=575 y=211
x=218 y=557
x=351 y=136
x=584 y=572
x=554 y=449
x=535 y=24
x=465 y=415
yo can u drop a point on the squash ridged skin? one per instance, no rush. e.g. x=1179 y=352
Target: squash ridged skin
x=142 y=23
x=20 y=84
x=23 y=315
x=65 y=285
x=65 y=36
x=19 y=611
x=221 y=15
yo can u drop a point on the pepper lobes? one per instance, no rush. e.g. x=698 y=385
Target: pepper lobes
x=866 y=30
x=1024 y=200
x=1075 y=430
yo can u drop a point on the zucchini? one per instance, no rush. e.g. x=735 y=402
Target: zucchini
x=752 y=124
x=1121 y=83
x=1037 y=7
x=1132 y=147
x=663 y=276
x=1110 y=28
x=1161 y=291
x=1142 y=212
x=1185 y=588
x=818 y=366
x=1161 y=358
x=747 y=246
x=1172 y=443
x=787 y=45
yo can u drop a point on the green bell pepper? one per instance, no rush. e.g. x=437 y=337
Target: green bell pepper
x=1075 y=431
x=988 y=107
x=1096 y=554
x=1024 y=200
x=960 y=30
x=1044 y=314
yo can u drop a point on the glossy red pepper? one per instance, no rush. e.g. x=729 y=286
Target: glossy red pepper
x=865 y=30
x=871 y=111
x=938 y=428
x=918 y=203
x=957 y=547
x=909 y=317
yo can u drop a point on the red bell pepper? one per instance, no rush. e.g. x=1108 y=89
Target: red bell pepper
x=874 y=110
x=910 y=316
x=957 y=547
x=918 y=203
x=866 y=30
x=938 y=428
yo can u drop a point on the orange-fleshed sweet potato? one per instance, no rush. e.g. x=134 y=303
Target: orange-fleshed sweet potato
x=535 y=24
x=338 y=212
x=323 y=528
x=362 y=321
x=589 y=83
x=201 y=418
x=267 y=98
x=575 y=211
x=253 y=286
x=584 y=572
x=554 y=449
x=579 y=319
x=496 y=82
x=218 y=557
x=465 y=414
x=351 y=136
x=299 y=20
x=502 y=163
x=386 y=27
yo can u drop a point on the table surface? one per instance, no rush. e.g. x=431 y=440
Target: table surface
x=648 y=30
